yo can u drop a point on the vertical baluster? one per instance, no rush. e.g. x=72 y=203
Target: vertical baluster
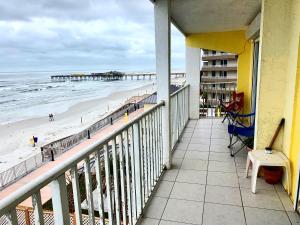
x=133 y=177
x=122 y=179
x=157 y=141
x=136 y=146
x=60 y=200
x=148 y=153
x=142 y=162
x=128 y=183
x=99 y=187
x=108 y=185
x=12 y=217
x=146 y=158
x=89 y=190
x=116 y=182
x=76 y=194
x=154 y=145
x=37 y=208
x=151 y=149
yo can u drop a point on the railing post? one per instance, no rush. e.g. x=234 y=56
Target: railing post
x=163 y=62
x=60 y=200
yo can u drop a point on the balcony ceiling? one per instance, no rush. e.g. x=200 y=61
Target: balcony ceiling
x=196 y=16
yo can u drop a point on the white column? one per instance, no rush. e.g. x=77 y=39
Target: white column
x=162 y=45
x=193 y=66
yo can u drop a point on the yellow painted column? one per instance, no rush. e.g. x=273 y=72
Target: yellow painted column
x=272 y=69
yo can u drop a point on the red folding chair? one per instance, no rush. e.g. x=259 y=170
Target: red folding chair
x=234 y=106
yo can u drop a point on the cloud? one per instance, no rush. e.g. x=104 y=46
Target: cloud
x=80 y=35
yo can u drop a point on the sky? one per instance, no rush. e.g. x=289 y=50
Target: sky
x=83 y=35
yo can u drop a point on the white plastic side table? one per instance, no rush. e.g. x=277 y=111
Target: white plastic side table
x=260 y=158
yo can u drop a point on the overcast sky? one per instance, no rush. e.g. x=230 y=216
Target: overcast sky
x=51 y=35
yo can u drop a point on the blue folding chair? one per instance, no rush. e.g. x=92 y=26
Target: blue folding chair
x=239 y=130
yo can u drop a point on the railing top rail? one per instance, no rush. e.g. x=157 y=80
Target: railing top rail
x=30 y=188
x=179 y=90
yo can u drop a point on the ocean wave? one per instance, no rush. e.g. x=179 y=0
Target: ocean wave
x=8 y=101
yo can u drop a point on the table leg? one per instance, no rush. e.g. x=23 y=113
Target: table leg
x=255 y=167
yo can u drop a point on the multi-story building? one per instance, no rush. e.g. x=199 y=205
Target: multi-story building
x=218 y=76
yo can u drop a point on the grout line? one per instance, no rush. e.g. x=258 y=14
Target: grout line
x=243 y=207
x=206 y=174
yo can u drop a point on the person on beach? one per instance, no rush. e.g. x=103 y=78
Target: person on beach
x=51 y=117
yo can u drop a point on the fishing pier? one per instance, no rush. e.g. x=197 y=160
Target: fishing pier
x=110 y=76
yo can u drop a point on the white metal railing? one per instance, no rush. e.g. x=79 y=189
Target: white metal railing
x=179 y=113
x=128 y=164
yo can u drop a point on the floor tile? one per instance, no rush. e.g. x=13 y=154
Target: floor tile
x=256 y=216
x=215 y=214
x=223 y=195
x=192 y=176
x=168 y=222
x=220 y=141
x=222 y=179
x=221 y=166
x=182 y=145
x=222 y=135
x=279 y=188
x=178 y=154
x=185 y=191
x=294 y=218
x=221 y=156
x=262 y=199
x=176 y=163
x=187 y=134
x=149 y=221
x=185 y=140
x=170 y=175
x=196 y=155
x=219 y=148
x=183 y=211
x=189 y=164
x=164 y=189
x=260 y=183
x=286 y=201
x=156 y=207
x=188 y=130
x=198 y=147
x=199 y=138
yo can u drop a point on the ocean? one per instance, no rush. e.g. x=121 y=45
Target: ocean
x=30 y=95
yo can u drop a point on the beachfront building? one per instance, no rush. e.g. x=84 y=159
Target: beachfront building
x=218 y=76
x=174 y=167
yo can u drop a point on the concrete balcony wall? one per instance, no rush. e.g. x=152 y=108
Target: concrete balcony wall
x=277 y=80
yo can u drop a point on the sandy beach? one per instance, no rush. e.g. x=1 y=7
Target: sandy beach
x=15 y=137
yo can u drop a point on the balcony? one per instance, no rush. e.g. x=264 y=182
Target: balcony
x=204 y=185
x=210 y=79
x=219 y=56
x=207 y=186
x=218 y=68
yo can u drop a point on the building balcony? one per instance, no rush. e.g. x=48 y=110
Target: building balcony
x=219 y=56
x=218 y=68
x=210 y=79
x=126 y=182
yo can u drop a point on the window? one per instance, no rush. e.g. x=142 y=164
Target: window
x=214 y=62
x=213 y=52
x=213 y=73
x=213 y=85
x=225 y=73
x=214 y=95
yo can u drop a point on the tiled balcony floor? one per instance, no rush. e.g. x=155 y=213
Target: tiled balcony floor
x=207 y=186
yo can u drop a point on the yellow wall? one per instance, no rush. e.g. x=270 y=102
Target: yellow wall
x=295 y=137
x=233 y=42
x=277 y=96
